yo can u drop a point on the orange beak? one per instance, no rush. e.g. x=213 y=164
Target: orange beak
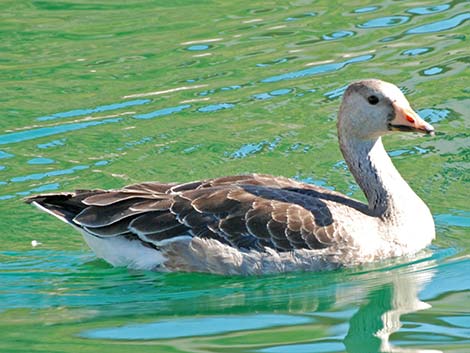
x=406 y=119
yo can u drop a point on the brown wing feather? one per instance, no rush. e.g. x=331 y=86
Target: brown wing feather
x=150 y=187
x=236 y=233
x=213 y=200
x=152 y=222
x=167 y=234
x=159 y=205
x=112 y=230
x=100 y=216
x=110 y=198
x=249 y=211
x=277 y=231
x=257 y=218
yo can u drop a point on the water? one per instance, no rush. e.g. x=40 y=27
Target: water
x=111 y=93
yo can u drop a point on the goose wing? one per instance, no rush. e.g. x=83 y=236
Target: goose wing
x=247 y=212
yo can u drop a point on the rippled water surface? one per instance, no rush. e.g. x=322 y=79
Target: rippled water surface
x=107 y=93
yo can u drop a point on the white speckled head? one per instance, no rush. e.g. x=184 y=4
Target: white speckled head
x=372 y=108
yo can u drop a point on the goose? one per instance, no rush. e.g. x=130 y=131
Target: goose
x=256 y=224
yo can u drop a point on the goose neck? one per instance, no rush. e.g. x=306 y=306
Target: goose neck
x=386 y=191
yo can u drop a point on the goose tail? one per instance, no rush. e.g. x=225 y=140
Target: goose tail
x=64 y=206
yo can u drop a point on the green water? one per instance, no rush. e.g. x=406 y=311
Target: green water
x=103 y=94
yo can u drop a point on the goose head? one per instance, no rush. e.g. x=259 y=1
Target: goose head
x=373 y=108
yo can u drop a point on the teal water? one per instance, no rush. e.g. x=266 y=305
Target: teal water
x=104 y=94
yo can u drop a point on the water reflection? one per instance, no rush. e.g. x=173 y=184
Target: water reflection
x=338 y=35
x=377 y=319
x=318 y=69
x=163 y=112
x=41 y=160
x=196 y=327
x=417 y=51
x=440 y=26
x=458 y=219
x=5 y=155
x=14 y=137
x=336 y=93
x=433 y=115
x=252 y=148
x=433 y=71
x=39 y=176
x=39 y=189
x=215 y=107
x=322 y=303
x=429 y=9
x=387 y=21
x=366 y=9
x=272 y=94
x=102 y=108
x=301 y=16
x=51 y=144
x=198 y=47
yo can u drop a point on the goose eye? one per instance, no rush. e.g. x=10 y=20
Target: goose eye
x=373 y=100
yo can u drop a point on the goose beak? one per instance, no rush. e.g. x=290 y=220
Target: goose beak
x=406 y=119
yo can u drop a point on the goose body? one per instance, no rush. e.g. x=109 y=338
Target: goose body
x=254 y=224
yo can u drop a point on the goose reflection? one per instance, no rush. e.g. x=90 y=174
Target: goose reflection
x=379 y=317
x=340 y=311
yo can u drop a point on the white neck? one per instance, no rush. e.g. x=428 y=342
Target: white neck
x=388 y=194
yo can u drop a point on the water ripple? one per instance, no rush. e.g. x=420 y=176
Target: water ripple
x=366 y=9
x=102 y=108
x=20 y=136
x=416 y=51
x=101 y=163
x=433 y=115
x=39 y=189
x=329 y=346
x=215 y=107
x=162 y=112
x=433 y=71
x=51 y=144
x=459 y=219
x=428 y=9
x=319 y=69
x=338 y=35
x=41 y=160
x=302 y=16
x=248 y=149
x=198 y=47
x=195 y=327
x=336 y=93
x=275 y=61
x=38 y=176
x=5 y=155
x=387 y=21
x=440 y=26
x=313 y=181
x=272 y=94
x=415 y=150
x=253 y=148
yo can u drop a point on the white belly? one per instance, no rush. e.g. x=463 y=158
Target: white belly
x=122 y=252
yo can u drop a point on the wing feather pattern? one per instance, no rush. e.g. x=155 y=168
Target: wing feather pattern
x=247 y=212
